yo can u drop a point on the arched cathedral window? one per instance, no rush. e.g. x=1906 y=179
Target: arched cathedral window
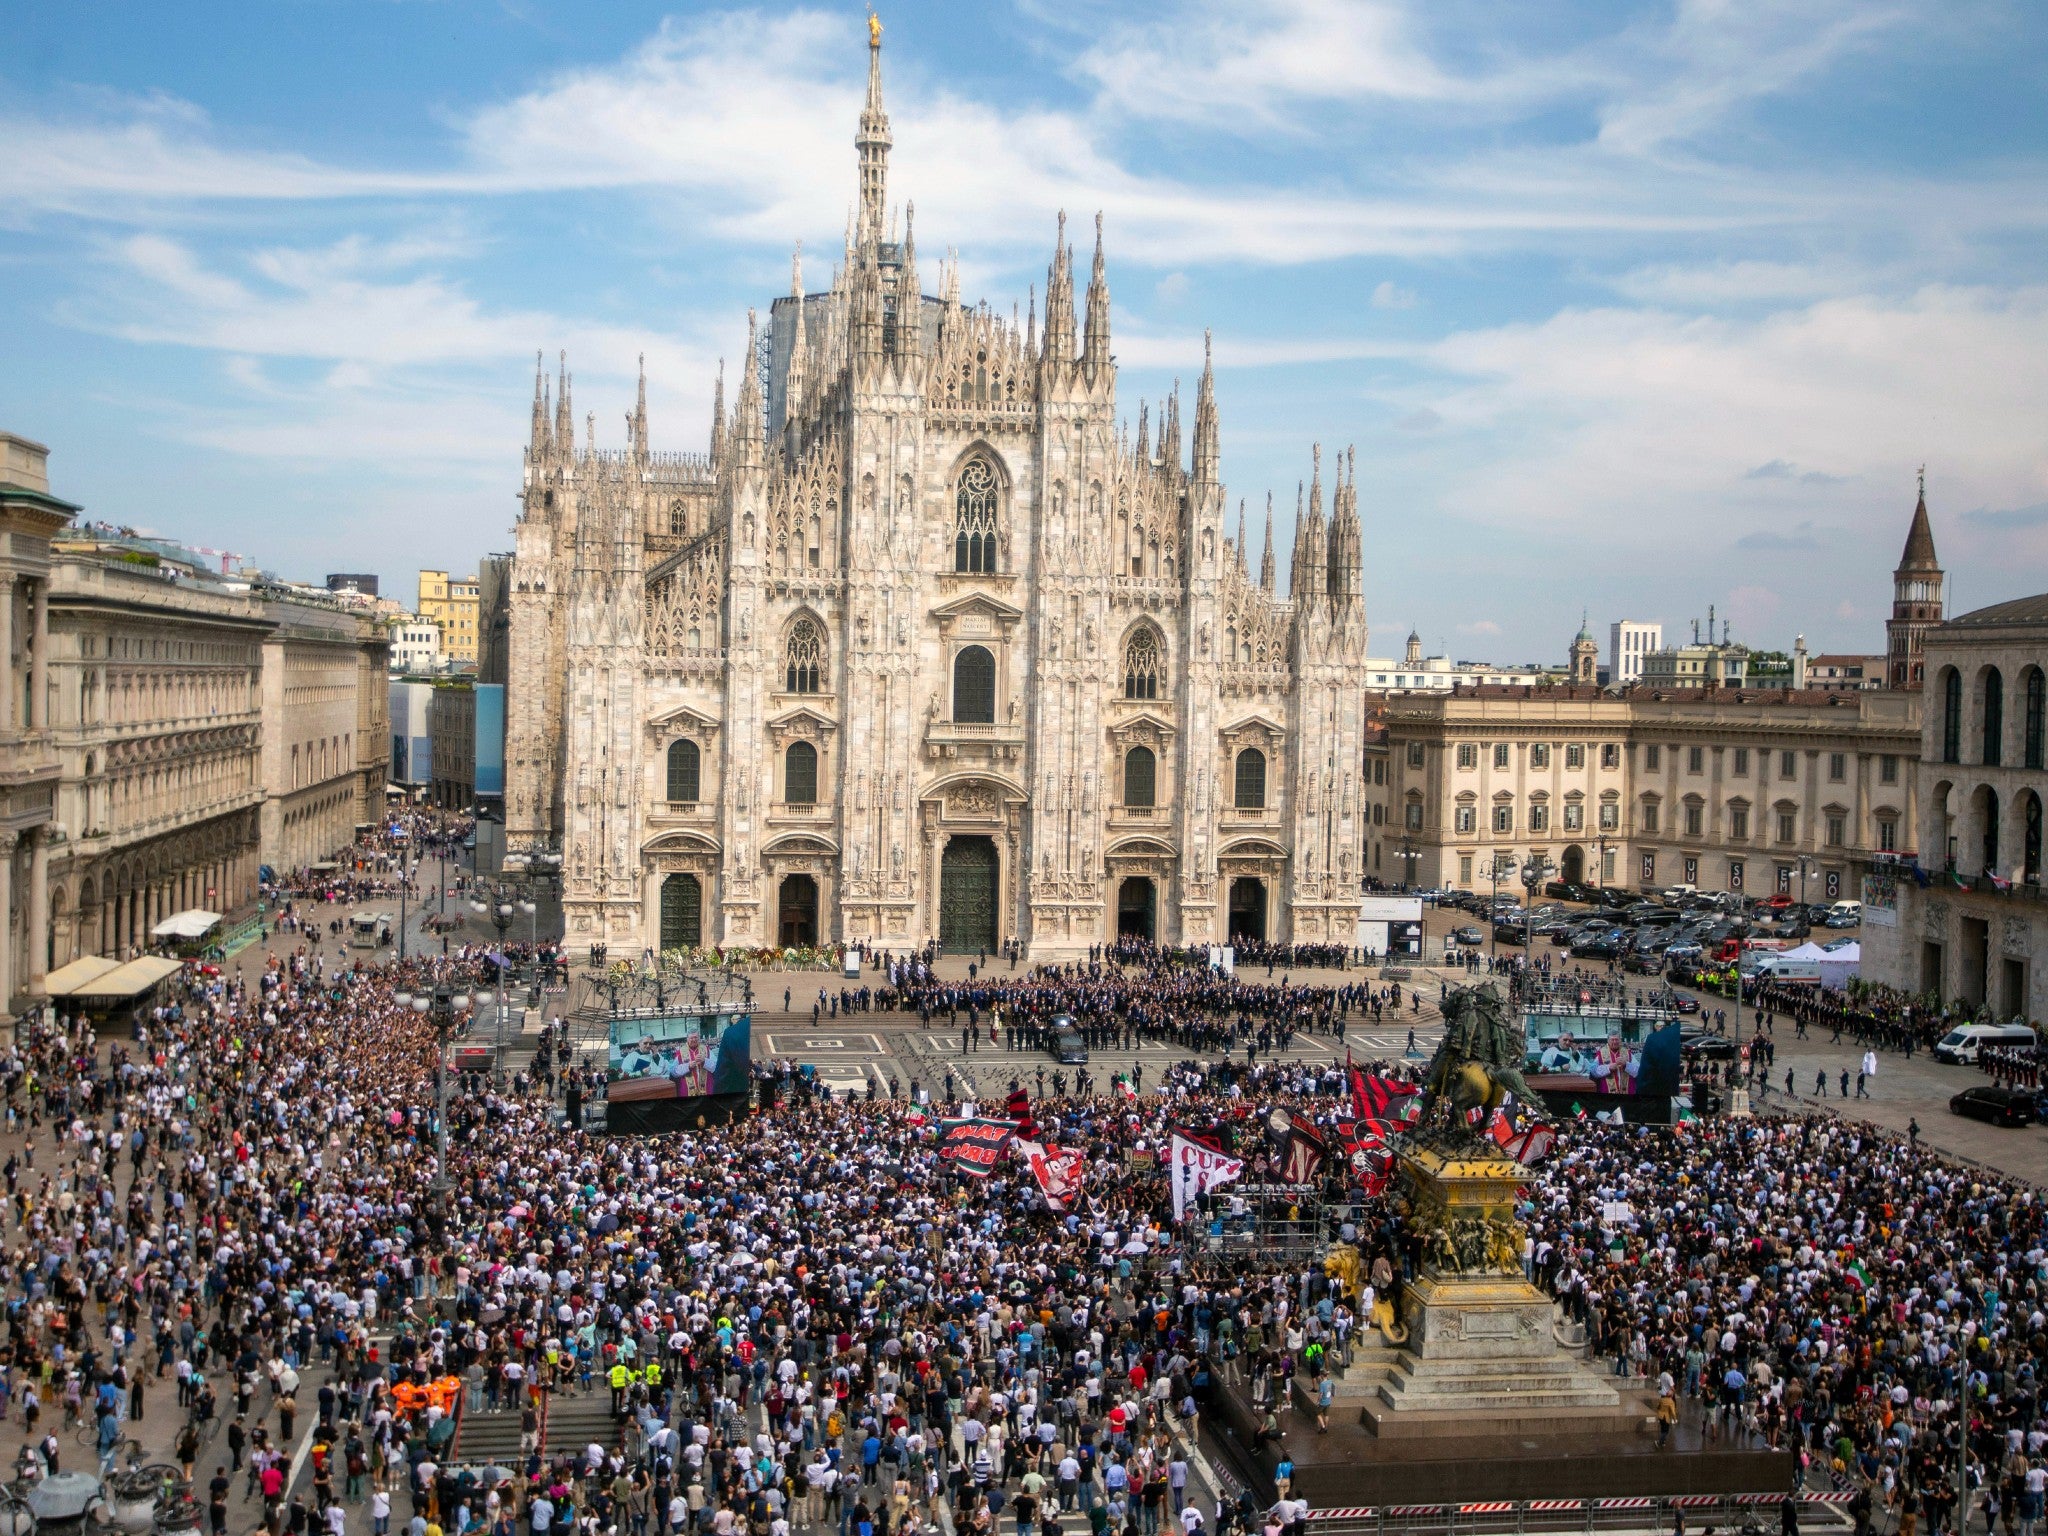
x=1142 y=666
x=974 y=527
x=806 y=670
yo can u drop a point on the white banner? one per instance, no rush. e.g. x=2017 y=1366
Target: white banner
x=1195 y=1170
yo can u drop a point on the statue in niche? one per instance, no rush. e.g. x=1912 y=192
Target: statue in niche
x=1205 y=637
x=1013 y=711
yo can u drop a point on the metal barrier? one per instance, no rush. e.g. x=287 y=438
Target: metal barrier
x=1532 y=1517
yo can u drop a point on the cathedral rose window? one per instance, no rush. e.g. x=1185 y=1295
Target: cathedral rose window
x=974 y=532
x=1142 y=665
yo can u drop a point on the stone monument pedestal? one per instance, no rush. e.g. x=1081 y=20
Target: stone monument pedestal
x=1481 y=1350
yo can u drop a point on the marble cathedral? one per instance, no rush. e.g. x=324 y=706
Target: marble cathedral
x=929 y=645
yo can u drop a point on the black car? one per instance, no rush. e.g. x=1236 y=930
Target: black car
x=1998 y=1106
x=1068 y=1048
x=1595 y=949
x=1508 y=933
x=1700 y=1045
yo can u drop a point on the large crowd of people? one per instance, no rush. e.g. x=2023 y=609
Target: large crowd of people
x=807 y=1319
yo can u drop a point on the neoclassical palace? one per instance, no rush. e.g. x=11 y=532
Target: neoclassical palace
x=929 y=644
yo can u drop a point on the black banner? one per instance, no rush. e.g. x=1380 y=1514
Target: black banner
x=975 y=1146
x=1303 y=1150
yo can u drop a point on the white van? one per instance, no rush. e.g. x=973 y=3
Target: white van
x=1962 y=1043
x=1846 y=914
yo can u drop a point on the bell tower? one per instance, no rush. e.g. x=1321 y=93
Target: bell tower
x=1585 y=667
x=1916 y=599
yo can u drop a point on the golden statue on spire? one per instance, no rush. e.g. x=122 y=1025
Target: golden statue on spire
x=874 y=29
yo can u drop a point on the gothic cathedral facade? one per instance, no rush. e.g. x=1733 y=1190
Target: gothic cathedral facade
x=929 y=646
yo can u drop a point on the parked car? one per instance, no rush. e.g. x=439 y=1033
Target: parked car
x=1698 y=1044
x=1595 y=949
x=1468 y=935
x=1995 y=1105
x=1686 y=1004
x=1508 y=933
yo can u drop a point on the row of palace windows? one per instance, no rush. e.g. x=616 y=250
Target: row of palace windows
x=1539 y=755
x=1653 y=760
x=1465 y=818
x=800 y=776
x=1990 y=733
x=974 y=670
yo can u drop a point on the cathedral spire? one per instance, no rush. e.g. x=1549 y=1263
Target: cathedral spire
x=718 y=416
x=540 y=405
x=565 y=419
x=865 y=320
x=640 y=413
x=798 y=378
x=747 y=425
x=1313 y=575
x=1097 y=338
x=1169 y=430
x=1031 y=326
x=1059 y=300
x=1346 y=544
x=1266 y=560
x=1207 y=457
x=909 y=339
x=873 y=143
x=1144 y=432
x=1240 y=536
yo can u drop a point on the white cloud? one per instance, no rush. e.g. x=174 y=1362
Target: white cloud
x=1261 y=64
x=1719 y=54
x=1479 y=627
x=1712 y=285
x=1634 y=423
x=748 y=120
x=1387 y=295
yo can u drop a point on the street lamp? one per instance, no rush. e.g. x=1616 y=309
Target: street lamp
x=1502 y=867
x=1534 y=873
x=441 y=1006
x=1603 y=842
x=1409 y=854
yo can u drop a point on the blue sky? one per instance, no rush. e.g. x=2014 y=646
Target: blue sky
x=1630 y=308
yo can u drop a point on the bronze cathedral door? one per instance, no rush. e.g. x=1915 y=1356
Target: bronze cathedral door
x=967 y=895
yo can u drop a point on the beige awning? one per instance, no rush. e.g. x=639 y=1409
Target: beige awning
x=192 y=923
x=67 y=979
x=130 y=980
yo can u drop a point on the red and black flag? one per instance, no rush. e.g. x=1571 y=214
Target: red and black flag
x=1299 y=1149
x=1367 y=1152
x=975 y=1146
x=1379 y=1098
x=1018 y=1108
